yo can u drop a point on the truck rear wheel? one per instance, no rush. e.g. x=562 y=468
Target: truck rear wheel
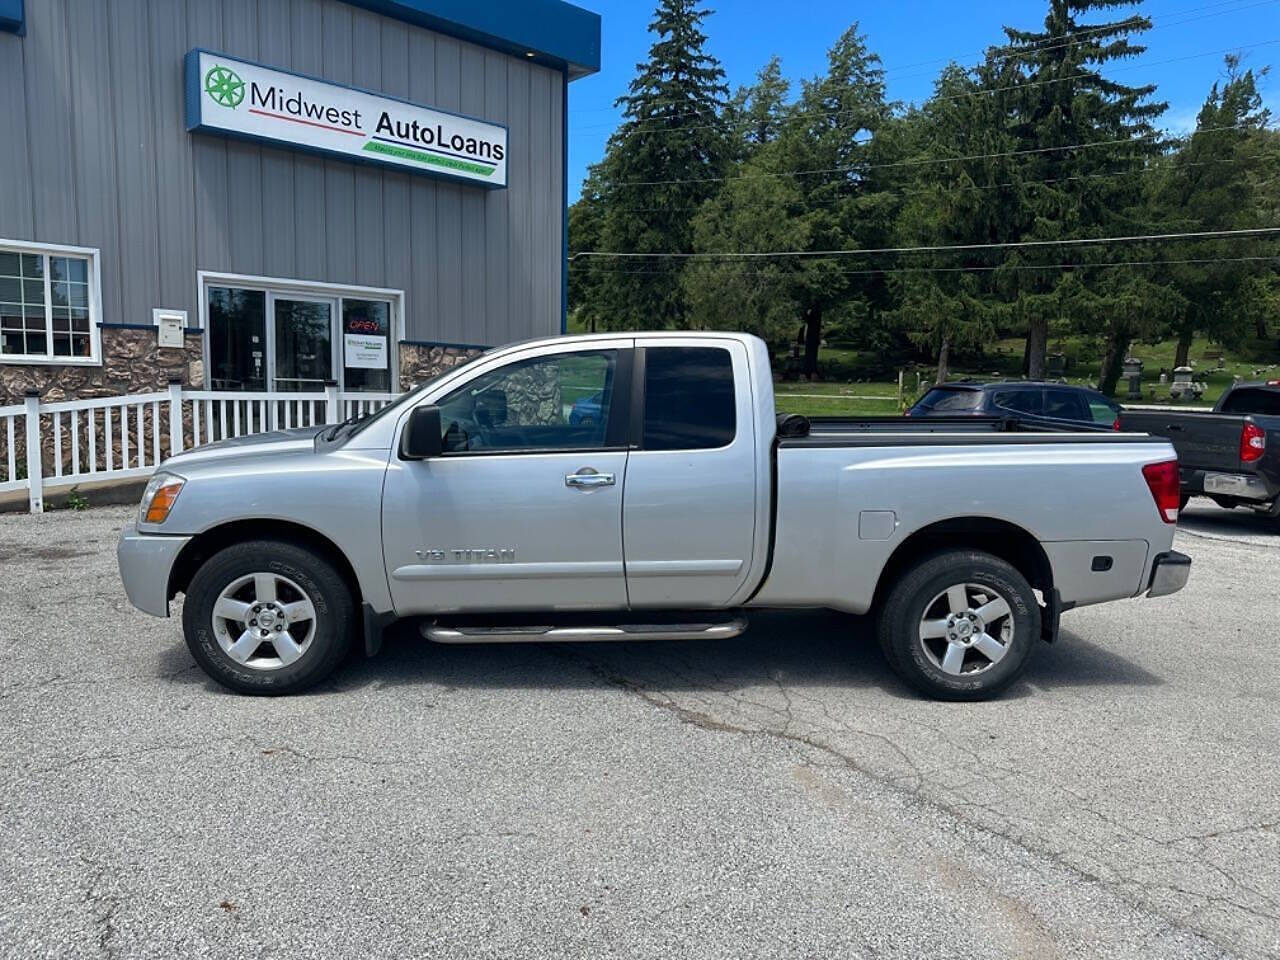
x=960 y=625
x=268 y=617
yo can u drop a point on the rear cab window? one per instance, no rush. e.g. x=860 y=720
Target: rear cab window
x=689 y=400
x=949 y=400
x=1259 y=400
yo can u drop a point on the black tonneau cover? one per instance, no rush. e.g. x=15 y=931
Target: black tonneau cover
x=929 y=431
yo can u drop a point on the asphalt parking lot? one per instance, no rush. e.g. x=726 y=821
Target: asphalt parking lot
x=778 y=795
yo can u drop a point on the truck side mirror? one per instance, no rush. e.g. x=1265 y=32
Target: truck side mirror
x=421 y=438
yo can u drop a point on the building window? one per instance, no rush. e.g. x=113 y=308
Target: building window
x=366 y=344
x=237 y=339
x=279 y=338
x=48 y=305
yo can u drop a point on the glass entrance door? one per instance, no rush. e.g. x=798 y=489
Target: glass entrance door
x=303 y=342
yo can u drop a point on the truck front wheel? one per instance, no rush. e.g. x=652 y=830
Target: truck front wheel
x=960 y=625
x=268 y=617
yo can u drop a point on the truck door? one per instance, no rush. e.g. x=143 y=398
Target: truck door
x=689 y=505
x=523 y=510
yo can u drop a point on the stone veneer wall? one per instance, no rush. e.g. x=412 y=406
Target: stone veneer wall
x=131 y=363
x=420 y=361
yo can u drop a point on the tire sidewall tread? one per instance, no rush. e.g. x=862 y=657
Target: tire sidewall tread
x=325 y=587
x=898 y=628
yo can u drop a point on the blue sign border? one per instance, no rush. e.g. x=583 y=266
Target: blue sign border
x=13 y=17
x=194 y=103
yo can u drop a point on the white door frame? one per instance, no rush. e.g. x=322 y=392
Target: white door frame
x=300 y=289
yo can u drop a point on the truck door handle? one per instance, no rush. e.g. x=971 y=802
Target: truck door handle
x=1174 y=428
x=586 y=477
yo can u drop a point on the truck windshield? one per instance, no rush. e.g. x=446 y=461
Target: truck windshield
x=1253 y=400
x=941 y=399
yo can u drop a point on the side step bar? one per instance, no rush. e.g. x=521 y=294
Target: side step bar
x=442 y=633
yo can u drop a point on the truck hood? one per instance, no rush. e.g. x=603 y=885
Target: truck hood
x=297 y=440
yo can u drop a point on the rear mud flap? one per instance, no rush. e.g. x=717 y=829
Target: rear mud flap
x=1050 y=616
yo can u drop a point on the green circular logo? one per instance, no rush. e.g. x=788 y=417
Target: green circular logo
x=224 y=86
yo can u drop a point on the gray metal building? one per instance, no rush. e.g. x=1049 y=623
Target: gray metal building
x=153 y=181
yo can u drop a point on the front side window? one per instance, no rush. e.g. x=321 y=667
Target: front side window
x=560 y=402
x=689 y=401
x=45 y=306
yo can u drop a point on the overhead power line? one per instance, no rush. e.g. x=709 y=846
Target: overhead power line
x=1017 y=51
x=933 y=248
x=966 y=188
x=1006 y=267
x=923 y=161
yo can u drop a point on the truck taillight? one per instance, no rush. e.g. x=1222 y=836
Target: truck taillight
x=1116 y=425
x=1162 y=481
x=1253 y=443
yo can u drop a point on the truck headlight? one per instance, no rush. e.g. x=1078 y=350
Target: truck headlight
x=159 y=497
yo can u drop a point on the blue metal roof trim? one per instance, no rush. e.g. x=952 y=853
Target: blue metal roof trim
x=558 y=34
x=12 y=17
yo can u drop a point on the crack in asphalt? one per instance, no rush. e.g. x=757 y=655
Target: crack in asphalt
x=193 y=748
x=1118 y=884
x=103 y=907
x=59 y=680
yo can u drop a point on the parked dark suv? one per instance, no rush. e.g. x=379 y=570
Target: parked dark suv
x=1054 y=404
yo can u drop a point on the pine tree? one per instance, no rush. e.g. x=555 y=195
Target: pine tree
x=814 y=187
x=945 y=299
x=586 y=224
x=755 y=115
x=832 y=148
x=1084 y=139
x=661 y=164
x=1213 y=183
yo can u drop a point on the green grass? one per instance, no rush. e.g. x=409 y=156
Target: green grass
x=839 y=393
x=824 y=399
x=848 y=374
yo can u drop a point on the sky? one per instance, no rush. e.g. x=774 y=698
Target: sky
x=915 y=40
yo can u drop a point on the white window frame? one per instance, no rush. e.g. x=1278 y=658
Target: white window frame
x=94 y=256
x=284 y=286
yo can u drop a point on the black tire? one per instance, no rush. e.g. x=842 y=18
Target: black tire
x=905 y=606
x=328 y=592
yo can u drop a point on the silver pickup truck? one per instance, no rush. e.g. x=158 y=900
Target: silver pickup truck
x=640 y=486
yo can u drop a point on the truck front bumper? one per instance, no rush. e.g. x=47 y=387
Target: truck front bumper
x=146 y=560
x=1169 y=574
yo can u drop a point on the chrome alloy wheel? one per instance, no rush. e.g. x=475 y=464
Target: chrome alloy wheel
x=966 y=629
x=264 y=621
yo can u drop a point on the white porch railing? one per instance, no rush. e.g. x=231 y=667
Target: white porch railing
x=45 y=446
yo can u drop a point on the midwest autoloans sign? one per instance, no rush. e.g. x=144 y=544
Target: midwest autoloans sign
x=231 y=96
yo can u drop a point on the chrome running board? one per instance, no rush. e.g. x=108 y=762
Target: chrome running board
x=442 y=633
